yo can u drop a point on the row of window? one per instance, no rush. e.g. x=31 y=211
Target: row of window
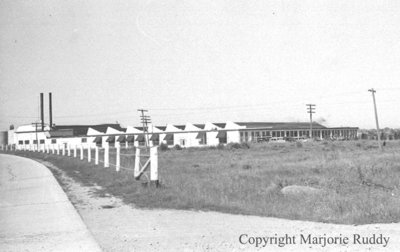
x=246 y=136
x=41 y=141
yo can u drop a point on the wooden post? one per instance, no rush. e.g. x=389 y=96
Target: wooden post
x=6 y=147
x=118 y=159
x=126 y=144
x=137 y=163
x=81 y=151
x=89 y=154
x=96 y=156
x=63 y=149
x=75 y=151
x=154 y=164
x=58 y=149
x=69 y=150
x=106 y=156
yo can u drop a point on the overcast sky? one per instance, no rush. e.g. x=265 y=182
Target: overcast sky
x=197 y=61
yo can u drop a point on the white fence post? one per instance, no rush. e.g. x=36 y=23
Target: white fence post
x=75 y=151
x=126 y=144
x=69 y=150
x=137 y=162
x=118 y=159
x=63 y=149
x=89 y=154
x=6 y=147
x=154 y=164
x=96 y=155
x=106 y=156
x=58 y=149
x=52 y=149
x=47 y=149
x=81 y=152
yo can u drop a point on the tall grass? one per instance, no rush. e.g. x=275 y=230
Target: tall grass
x=359 y=184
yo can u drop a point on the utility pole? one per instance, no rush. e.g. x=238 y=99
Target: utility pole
x=376 y=118
x=145 y=121
x=310 y=110
x=36 y=125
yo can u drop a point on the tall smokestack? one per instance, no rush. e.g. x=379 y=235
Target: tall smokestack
x=41 y=111
x=50 y=111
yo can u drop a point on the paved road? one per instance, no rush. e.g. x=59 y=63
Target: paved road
x=35 y=213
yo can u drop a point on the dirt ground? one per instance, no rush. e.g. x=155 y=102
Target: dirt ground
x=120 y=227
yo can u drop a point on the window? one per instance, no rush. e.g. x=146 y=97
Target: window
x=41 y=141
x=26 y=141
x=84 y=140
x=203 y=139
x=182 y=142
x=222 y=140
x=53 y=141
x=20 y=142
x=34 y=141
x=170 y=139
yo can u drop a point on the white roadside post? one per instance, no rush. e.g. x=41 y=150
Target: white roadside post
x=6 y=147
x=96 y=155
x=58 y=149
x=69 y=150
x=118 y=158
x=63 y=149
x=154 y=165
x=52 y=148
x=106 y=156
x=75 y=151
x=89 y=153
x=137 y=162
x=81 y=151
x=47 y=149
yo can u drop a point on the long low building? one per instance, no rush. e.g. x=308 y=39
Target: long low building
x=188 y=135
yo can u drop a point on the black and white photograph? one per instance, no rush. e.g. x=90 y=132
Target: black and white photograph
x=183 y=125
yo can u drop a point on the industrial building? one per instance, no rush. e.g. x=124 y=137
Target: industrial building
x=188 y=135
x=41 y=135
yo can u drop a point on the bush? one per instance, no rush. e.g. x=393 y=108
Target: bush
x=220 y=146
x=163 y=147
x=299 y=144
x=177 y=147
x=231 y=146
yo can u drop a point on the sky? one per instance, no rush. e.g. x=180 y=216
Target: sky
x=198 y=61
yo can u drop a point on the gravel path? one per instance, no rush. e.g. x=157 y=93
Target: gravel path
x=120 y=227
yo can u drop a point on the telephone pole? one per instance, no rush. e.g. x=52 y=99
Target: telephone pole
x=310 y=110
x=36 y=131
x=145 y=119
x=376 y=118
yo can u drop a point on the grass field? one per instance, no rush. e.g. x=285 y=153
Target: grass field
x=359 y=184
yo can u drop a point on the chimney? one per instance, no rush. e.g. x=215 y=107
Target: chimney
x=41 y=111
x=50 y=111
